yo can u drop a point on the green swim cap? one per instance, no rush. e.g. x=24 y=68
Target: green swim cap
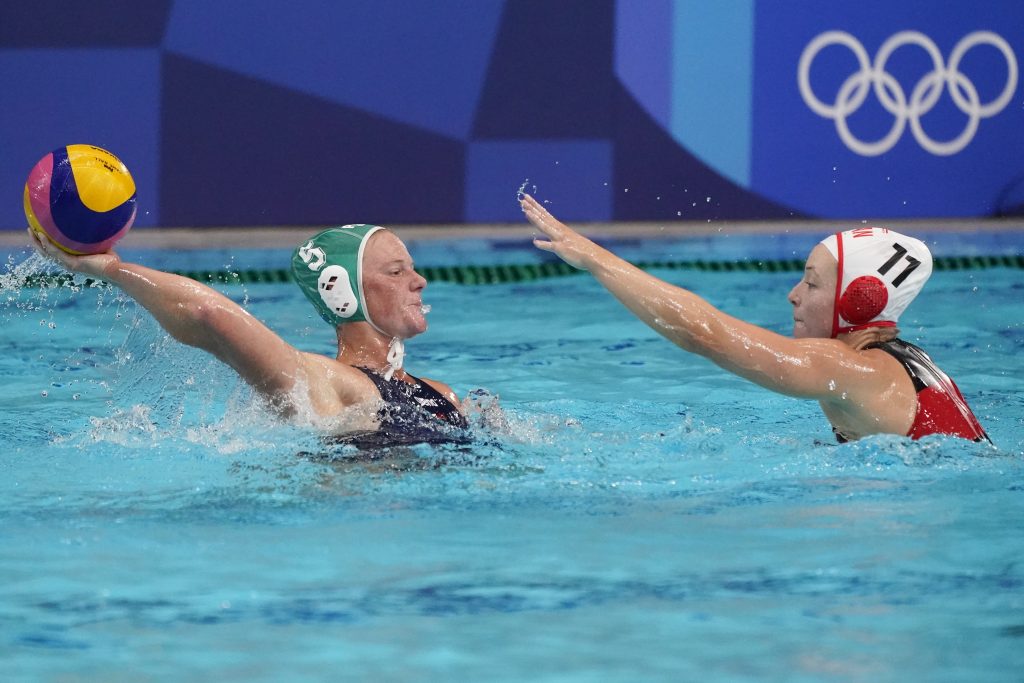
x=329 y=270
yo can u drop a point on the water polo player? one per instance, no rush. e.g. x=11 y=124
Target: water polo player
x=844 y=352
x=362 y=282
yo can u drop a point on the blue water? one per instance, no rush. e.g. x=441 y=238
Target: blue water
x=634 y=514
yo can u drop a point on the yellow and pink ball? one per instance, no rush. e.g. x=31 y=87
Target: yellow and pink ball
x=82 y=198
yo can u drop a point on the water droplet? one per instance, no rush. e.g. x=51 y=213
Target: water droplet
x=707 y=199
x=44 y=393
x=831 y=385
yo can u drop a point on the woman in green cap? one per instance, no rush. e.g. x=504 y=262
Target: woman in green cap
x=362 y=282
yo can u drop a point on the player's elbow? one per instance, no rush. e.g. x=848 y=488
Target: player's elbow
x=198 y=323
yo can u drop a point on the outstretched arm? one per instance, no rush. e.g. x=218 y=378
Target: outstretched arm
x=197 y=315
x=808 y=368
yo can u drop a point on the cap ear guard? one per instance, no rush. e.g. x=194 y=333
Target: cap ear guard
x=335 y=288
x=864 y=300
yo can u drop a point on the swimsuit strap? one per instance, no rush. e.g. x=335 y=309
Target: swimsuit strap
x=941 y=408
x=922 y=370
x=418 y=396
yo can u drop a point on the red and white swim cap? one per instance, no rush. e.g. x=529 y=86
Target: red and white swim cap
x=880 y=273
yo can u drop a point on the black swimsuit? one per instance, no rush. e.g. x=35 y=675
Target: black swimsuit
x=412 y=413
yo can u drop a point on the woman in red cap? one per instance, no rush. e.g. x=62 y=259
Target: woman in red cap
x=844 y=352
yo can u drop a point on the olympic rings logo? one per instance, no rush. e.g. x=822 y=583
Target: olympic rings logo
x=893 y=98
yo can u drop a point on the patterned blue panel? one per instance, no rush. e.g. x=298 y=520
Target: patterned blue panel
x=76 y=23
x=835 y=148
x=643 y=54
x=272 y=112
x=551 y=72
x=237 y=151
x=712 y=80
x=574 y=175
x=107 y=98
x=420 y=63
x=667 y=182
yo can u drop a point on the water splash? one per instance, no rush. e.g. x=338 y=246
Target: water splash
x=521 y=192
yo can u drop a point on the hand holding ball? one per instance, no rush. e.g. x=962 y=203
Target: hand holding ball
x=82 y=198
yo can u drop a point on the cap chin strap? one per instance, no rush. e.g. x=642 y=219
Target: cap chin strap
x=396 y=356
x=396 y=351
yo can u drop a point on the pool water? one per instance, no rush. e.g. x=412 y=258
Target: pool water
x=632 y=512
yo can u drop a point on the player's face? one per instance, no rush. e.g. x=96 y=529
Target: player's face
x=813 y=298
x=392 y=287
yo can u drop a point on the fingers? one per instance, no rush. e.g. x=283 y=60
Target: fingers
x=38 y=243
x=531 y=207
x=48 y=249
x=561 y=239
x=528 y=200
x=541 y=218
x=539 y=221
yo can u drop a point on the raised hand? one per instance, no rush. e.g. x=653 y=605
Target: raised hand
x=569 y=245
x=90 y=264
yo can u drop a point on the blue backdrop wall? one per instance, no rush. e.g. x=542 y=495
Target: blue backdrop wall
x=307 y=112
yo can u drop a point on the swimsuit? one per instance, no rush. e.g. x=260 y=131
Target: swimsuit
x=941 y=408
x=412 y=413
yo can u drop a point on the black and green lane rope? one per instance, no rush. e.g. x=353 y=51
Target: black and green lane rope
x=525 y=272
